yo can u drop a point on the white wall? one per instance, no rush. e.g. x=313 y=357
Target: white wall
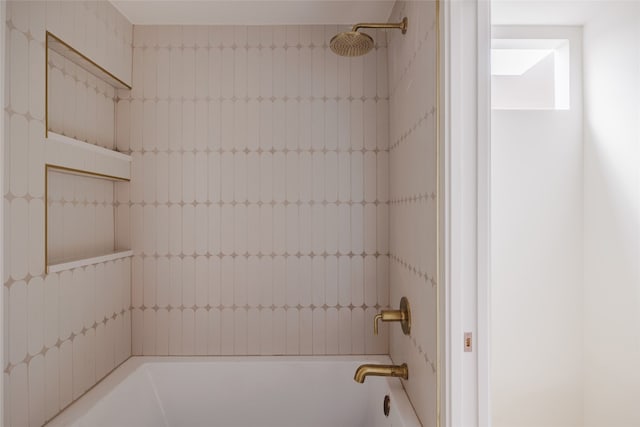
x=537 y=257
x=534 y=88
x=612 y=217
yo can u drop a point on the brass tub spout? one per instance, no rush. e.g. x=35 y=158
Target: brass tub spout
x=399 y=371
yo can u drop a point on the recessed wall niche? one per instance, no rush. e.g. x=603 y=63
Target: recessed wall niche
x=81 y=219
x=83 y=169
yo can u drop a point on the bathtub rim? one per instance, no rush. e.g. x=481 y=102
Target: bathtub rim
x=78 y=408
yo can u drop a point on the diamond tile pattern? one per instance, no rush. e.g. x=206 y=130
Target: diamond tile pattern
x=64 y=331
x=259 y=201
x=413 y=193
x=277 y=188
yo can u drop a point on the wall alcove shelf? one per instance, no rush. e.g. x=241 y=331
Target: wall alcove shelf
x=65 y=50
x=60 y=261
x=74 y=155
x=62 y=266
x=80 y=176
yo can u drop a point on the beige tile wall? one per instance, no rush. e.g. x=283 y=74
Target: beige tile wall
x=81 y=106
x=259 y=201
x=281 y=150
x=81 y=217
x=63 y=331
x=413 y=193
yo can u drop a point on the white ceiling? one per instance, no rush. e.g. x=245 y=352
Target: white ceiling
x=253 y=12
x=547 y=12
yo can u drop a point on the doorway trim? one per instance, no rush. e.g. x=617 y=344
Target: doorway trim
x=466 y=211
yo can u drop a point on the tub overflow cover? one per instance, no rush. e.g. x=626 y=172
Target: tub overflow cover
x=386 y=406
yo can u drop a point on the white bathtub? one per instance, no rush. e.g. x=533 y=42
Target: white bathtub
x=241 y=392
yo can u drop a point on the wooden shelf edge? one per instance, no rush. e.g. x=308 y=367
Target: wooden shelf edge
x=68 y=265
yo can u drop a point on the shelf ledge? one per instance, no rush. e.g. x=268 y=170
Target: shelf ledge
x=72 y=154
x=55 y=268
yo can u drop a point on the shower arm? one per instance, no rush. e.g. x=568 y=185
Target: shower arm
x=400 y=25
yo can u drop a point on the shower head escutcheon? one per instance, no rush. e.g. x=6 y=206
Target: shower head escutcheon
x=356 y=43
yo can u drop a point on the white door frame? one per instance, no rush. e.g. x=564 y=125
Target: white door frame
x=466 y=229
x=484 y=213
x=3 y=15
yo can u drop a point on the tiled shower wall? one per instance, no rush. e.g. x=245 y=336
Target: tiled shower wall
x=63 y=331
x=259 y=201
x=276 y=147
x=81 y=106
x=80 y=211
x=413 y=198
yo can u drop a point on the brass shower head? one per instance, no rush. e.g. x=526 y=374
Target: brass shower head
x=351 y=43
x=355 y=43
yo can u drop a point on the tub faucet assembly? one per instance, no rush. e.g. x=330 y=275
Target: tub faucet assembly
x=363 y=371
x=403 y=315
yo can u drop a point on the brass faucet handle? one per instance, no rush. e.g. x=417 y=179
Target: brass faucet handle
x=403 y=315
x=387 y=316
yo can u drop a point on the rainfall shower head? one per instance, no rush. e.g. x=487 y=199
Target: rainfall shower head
x=351 y=43
x=355 y=43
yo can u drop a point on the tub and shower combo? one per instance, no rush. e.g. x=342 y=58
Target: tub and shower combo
x=242 y=392
x=277 y=391
x=256 y=391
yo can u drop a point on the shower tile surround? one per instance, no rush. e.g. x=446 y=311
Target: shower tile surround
x=81 y=217
x=63 y=331
x=81 y=106
x=229 y=129
x=259 y=195
x=413 y=198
